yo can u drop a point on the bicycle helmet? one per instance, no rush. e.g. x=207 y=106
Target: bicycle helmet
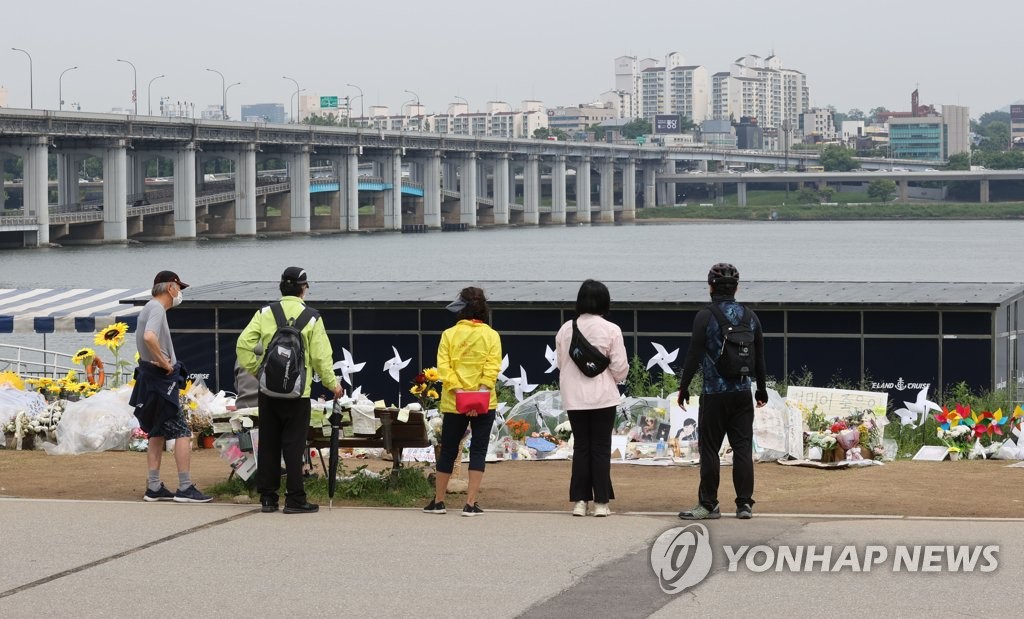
x=723 y=273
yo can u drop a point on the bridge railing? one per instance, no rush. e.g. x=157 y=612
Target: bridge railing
x=19 y=221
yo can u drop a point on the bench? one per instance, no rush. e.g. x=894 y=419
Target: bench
x=393 y=435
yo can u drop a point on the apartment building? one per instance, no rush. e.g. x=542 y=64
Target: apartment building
x=1017 y=125
x=577 y=118
x=761 y=88
x=645 y=88
x=818 y=124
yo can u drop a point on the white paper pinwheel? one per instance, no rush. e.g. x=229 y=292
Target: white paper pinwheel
x=977 y=452
x=499 y=413
x=395 y=364
x=552 y=359
x=1019 y=433
x=347 y=367
x=662 y=358
x=501 y=372
x=916 y=412
x=521 y=385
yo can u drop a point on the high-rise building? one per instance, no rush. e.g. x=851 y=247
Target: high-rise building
x=670 y=88
x=761 y=88
x=957 y=121
x=1017 y=125
x=265 y=112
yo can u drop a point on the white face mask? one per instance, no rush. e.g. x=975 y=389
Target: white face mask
x=176 y=301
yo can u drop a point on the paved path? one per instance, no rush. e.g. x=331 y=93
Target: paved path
x=92 y=559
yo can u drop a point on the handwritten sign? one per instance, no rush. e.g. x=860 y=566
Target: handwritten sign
x=837 y=402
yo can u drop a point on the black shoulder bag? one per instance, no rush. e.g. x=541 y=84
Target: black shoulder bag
x=587 y=358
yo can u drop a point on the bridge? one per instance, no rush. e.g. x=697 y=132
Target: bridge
x=415 y=178
x=902 y=178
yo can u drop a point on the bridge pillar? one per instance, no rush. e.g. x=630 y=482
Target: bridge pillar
x=184 y=191
x=450 y=178
x=67 y=179
x=298 y=174
x=558 y=190
x=741 y=194
x=392 y=173
x=136 y=180
x=432 y=190
x=606 y=196
x=501 y=182
x=467 y=190
x=348 y=177
x=629 y=190
x=983 y=191
x=650 y=185
x=902 y=190
x=36 y=187
x=583 y=190
x=531 y=191
x=245 y=191
x=115 y=192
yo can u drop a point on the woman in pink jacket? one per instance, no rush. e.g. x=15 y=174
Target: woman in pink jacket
x=591 y=402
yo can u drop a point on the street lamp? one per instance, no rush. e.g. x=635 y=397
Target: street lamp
x=223 y=94
x=60 y=87
x=135 y=84
x=230 y=86
x=149 y=95
x=31 y=98
x=361 y=114
x=417 y=101
x=294 y=94
x=297 y=90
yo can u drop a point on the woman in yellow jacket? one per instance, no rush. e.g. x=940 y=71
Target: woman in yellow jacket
x=468 y=359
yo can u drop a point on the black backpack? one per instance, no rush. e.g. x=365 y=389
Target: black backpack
x=585 y=355
x=282 y=372
x=736 y=359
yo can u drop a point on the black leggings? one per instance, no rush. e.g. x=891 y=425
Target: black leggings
x=453 y=428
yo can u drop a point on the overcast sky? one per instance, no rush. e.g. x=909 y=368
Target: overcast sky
x=862 y=54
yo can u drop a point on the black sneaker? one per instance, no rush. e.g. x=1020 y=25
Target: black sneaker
x=191 y=495
x=472 y=510
x=308 y=508
x=163 y=494
x=435 y=507
x=744 y=512
x=701 y=513
x=269 y=507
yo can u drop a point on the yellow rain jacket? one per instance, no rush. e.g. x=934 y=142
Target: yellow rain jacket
x=469 y=356
x=262 y=327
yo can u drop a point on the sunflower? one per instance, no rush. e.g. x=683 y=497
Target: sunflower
x=12 y=379
x=432 y=394
x=112 y=336
x=417 y=389
x=84 y=356
x=431 y=374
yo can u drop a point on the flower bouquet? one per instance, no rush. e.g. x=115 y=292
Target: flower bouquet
x=426 y=386
x=112 y=337
x=517 y=429
x=849 y=440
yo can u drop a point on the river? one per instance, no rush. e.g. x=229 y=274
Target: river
x=799 y=251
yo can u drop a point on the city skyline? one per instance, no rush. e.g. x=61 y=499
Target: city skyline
x=560 y=54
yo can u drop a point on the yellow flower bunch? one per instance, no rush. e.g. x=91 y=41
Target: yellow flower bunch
x=427 y=388
x=84 y=356
x=11 y=379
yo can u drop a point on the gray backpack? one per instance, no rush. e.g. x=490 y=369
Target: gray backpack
x=282 y=372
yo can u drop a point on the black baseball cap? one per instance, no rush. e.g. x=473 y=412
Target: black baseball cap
x=294 y=275
x=166 y=277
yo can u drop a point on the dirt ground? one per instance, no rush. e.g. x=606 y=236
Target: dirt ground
x=964 y=489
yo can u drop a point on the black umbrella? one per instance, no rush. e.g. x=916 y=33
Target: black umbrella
x=332 y=460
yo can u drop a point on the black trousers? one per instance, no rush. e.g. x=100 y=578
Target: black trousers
x=726 y=414
x=284 y=426
x=592 y=455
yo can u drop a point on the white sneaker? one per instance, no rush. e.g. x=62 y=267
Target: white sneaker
x=580 y=509
x=601 y=510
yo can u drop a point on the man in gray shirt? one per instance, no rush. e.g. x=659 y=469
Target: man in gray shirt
x=155 y=396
